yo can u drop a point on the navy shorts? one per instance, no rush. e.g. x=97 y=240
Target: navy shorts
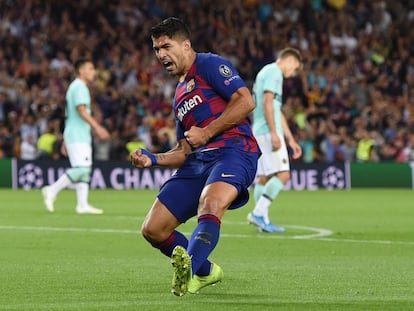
x=181 y=193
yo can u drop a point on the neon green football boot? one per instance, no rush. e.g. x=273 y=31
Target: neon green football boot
x=199 y=282
x=181 y=263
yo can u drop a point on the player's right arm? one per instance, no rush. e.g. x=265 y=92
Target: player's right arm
x=269 y=113
x=173 y=158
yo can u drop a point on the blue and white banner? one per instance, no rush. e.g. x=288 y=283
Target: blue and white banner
x=117 y=175
x=121 y=175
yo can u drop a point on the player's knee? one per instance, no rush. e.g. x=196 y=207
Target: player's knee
x=146 y=232
x=284 y=177
x=262 y=180
x=79 y=174
x=151 y=233
x=213 y=204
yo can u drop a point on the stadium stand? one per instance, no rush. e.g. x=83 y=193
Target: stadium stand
x=356 y=89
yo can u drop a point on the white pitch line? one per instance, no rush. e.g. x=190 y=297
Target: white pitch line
x=320 y=235
x=369 y=241
x=319 y=232
x=68 y=229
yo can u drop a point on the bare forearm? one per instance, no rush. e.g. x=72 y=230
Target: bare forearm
x=286 y=130
x=175 y=157
x=88 y=118
x=269 y=111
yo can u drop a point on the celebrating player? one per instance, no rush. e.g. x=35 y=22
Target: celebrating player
x=216 y=156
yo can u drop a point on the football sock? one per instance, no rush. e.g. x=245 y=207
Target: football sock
x=60 y=184
x=177 y=238
x=262 y=207
x=203 y=240
x=258 y=190
x=273 y=187
x=270 y=192
x=82 y=190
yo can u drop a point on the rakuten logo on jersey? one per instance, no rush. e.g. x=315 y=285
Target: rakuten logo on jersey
x=187 y=106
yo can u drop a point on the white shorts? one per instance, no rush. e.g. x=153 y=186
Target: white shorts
x=80 y=154
x=271 y=162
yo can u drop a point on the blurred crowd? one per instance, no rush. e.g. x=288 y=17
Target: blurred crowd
x=353 y=100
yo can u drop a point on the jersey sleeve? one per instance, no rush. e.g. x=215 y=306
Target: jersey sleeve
x=81 y=95
x=221 y=75
x=271 y=82
x=179 y=130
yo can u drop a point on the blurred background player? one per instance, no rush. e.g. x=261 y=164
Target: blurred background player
x=216 y=157
x=78 y=140
x=271 y=129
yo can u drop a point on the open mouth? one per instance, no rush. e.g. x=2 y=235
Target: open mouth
x=167 y=65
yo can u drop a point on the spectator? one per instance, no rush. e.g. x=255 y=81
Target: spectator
x=45 y=144
x=360 y=67
x=349 y=148
x=333 y=149
x=60 y=62
x=29 y=127
x=305 y=141
x=5 y=106
x=366 y=148
x=134 y=144
x=6 y=142
x=164 y=142
x=28 y=149
x=409 y=148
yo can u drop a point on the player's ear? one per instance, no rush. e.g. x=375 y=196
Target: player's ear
x=187 y=44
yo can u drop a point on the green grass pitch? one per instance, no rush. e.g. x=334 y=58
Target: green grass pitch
x=343 y=250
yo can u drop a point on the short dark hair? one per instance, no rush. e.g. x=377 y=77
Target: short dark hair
x=170 y=27
x=80 y=62
x=290 y=52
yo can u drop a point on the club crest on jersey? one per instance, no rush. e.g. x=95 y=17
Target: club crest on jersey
x=225 y=71
x=190 y=85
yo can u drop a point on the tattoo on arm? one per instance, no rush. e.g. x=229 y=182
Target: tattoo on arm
x=160 y=156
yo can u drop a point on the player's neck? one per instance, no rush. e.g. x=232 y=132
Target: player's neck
x=189 y=62
x=82 y=79
x=280 y=65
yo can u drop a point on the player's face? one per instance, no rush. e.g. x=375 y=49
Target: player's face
x=292 y=66
x=171 y=54
x=87 y=72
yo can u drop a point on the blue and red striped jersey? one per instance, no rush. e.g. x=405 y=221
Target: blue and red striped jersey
x=203 y=96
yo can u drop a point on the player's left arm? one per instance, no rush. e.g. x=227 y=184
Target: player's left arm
x=226 y=82
x=296 y=149
x=240 y=105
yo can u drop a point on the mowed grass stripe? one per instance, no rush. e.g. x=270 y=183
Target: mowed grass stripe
x=184 y=304
x=224 y=235
x=104 y=264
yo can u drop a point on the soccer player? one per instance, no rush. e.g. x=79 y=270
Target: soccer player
x=78 y=140
x=216 y=156
x=271 y=129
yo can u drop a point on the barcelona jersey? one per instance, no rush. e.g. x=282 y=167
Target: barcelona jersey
x=203 y=96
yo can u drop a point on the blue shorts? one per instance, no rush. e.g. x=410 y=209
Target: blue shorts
x=181 y=193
